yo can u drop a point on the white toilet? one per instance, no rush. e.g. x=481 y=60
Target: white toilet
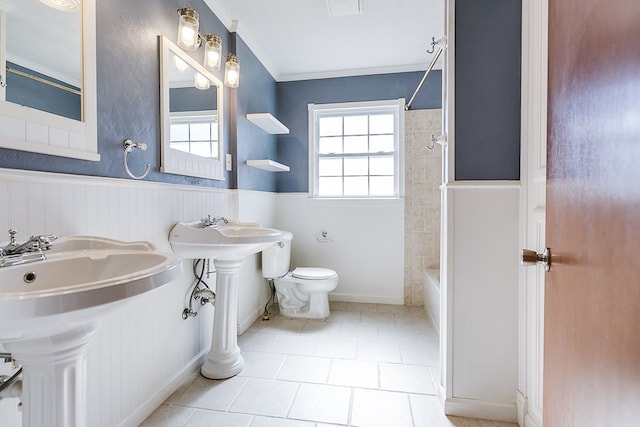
x=302 y=292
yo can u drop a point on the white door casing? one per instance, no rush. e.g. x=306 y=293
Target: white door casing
x=533 y=169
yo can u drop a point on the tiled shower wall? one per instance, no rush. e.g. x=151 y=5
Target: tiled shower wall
x=144 y=349
x=423 y=177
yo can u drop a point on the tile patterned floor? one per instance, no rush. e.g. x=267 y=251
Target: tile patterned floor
x=368 y=365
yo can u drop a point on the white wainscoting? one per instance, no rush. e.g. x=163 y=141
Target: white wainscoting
x=366 y=245
x=144 y=349
x=479 y=275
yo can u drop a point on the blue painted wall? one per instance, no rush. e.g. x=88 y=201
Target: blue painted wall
x=294 y=97
x=41 y=96
x=487 y=104
x=129 y=90
x=256 y=94
x=487 y=98
x=192 y=99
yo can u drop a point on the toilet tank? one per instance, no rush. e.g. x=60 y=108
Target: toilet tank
x=276 y=258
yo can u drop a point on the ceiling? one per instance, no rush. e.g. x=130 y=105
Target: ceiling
x=299 y=39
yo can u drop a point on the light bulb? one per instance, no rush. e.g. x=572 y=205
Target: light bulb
x=63 y=5
x=212 y=52
x=201 y=82
x=188 y=26
x=232 y=78
x=232 y=71
x=180 y=64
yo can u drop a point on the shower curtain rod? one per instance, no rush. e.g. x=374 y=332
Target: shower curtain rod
x=426 y=74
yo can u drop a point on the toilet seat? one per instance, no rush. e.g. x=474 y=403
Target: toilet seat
x=312 y=273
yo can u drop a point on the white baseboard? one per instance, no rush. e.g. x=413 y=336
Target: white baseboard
x=366 y=299
x=521 y=407
x=152 y=403
x=487 y=410
x=244 y=324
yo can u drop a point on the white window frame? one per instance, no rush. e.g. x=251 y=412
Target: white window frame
x=195 y=117
x=317 y=111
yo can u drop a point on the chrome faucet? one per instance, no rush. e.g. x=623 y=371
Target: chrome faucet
x=31 y=250
x=213 y=222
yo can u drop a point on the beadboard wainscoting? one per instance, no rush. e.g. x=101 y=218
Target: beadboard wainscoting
x=479 y=275
x=144 y=349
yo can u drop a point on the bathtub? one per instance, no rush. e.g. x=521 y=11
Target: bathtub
x=432 y=295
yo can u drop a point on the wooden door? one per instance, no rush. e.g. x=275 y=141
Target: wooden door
x=592 y=293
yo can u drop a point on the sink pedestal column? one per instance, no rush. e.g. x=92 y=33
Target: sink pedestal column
x=54 y=386
x=224 y=359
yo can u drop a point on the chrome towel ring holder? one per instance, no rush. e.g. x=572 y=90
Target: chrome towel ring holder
x=129 y=146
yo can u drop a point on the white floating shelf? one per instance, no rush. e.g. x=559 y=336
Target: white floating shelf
x=268 y=123
x=268 y=165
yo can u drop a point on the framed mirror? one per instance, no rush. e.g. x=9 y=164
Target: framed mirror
x=48 y=78
x=191 y=115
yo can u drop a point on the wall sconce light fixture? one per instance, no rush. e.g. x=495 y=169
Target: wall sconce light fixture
x=212 y=52
x=188 y=29
x=189 y=38
x=232 y=71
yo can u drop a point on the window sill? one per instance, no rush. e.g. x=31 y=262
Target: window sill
x=344 y=201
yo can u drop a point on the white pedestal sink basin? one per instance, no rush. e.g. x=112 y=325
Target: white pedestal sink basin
x=228 y=244
x=50 y=309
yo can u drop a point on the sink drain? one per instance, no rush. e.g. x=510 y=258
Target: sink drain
x=30 y=277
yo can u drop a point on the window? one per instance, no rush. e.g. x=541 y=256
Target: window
x=355 y=149
x=195 y=132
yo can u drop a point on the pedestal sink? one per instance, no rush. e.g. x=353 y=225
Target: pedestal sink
x=50 y=309
x=228 y=243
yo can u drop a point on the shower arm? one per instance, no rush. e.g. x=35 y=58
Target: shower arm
x=438 y=52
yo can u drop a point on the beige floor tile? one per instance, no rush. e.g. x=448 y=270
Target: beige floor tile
x=420 y=354
x=345 y=317
x=379 y=352
x=204 y=418
x=211 y=394
x=375 y=408
x=393 y=308
x=305 y=369
x=258 y=364
x=358 y=332
x=378 y=319
x=390 y=384
x=294 y=344
x=256 y=341
x=321 y=329
x=168 y=416
x=265 y=397
x=322 y=403
x=397 y=334
x=354 y=373
x=361 y=307
x=279 y=422
x=337 y=305
x=336 y=348
x=406 y=378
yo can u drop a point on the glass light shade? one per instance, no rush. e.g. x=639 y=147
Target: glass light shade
x=64 y=5
x=201 y=82
x=232 y=71
x=188 y=27
x=212 y=52
x=180 y=65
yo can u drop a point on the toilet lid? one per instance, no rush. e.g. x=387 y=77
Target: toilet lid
x=312 y=273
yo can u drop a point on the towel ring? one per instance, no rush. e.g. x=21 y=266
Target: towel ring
x=129 y=145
